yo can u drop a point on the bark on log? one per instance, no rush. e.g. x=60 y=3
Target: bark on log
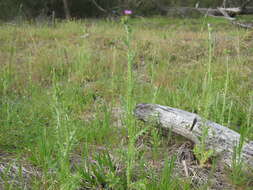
x=220 y=139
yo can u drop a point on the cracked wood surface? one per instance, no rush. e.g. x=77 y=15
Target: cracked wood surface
x=221 y=139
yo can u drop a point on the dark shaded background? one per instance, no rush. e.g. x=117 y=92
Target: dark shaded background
x=29 y=9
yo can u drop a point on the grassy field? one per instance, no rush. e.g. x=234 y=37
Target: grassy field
x=67 y=91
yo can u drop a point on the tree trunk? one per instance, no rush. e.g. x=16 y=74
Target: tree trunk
x=66 y=9
x=220 y=139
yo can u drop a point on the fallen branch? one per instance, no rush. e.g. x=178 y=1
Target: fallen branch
x=244 y=25
x=225 y=14
x=185 y=168
x=98 y=6
x=189 y=125
x=232 y=12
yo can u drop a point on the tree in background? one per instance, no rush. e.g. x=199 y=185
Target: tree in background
x=97 y=8
x=66 y=9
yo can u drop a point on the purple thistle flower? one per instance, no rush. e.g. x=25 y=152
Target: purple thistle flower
x=128 y=12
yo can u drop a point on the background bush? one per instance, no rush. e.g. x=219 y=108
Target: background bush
x=86 y=8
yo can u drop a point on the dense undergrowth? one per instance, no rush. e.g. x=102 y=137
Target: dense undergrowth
x=64 y=98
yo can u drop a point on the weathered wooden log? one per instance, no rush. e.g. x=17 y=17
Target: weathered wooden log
x=219 y=138
x=209 y=11
x=189 y=11
x=220 y=11
x=248 y=25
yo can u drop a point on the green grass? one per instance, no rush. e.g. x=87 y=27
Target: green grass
x=66 y=95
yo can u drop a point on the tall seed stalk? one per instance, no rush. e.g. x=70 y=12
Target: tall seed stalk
x=129 y=101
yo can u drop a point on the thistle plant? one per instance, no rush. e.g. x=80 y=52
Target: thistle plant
x=200 y=150
x=129 y=98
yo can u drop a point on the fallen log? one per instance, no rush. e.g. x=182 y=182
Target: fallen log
x=232 y=12
x=190 y=125
x=220 y=11
x=248 y=25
